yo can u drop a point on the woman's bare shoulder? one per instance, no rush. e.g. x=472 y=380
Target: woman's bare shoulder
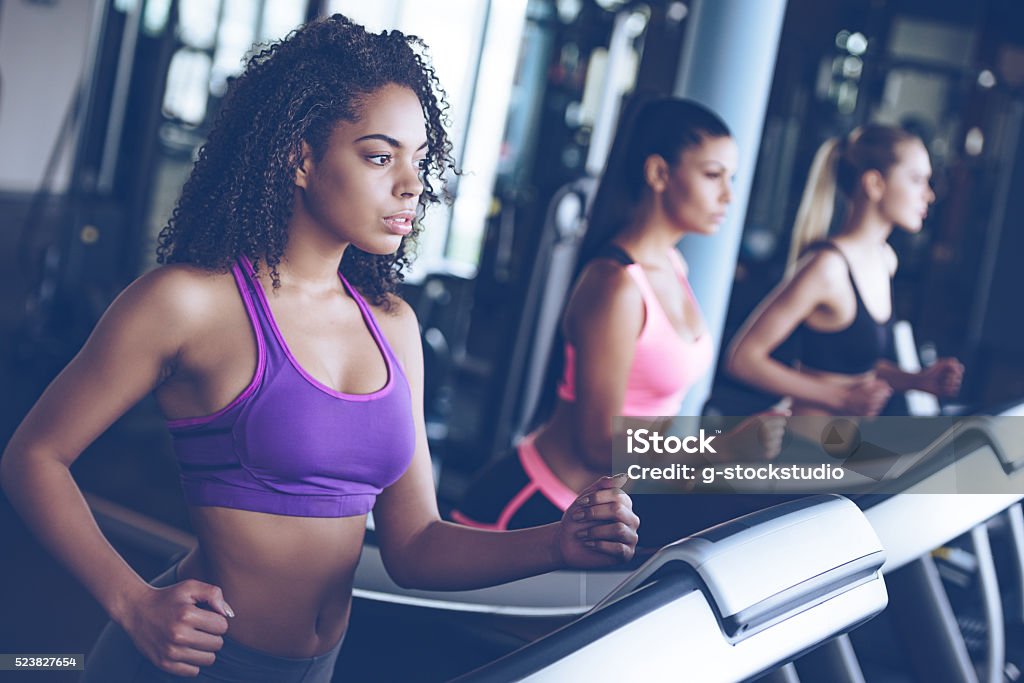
x=180 y=294
x=822 y=269
x=604 y=282
x=184 y=279
x=606 y=296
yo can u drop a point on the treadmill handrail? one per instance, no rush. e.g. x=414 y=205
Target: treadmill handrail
x=847 y=553
x=669 y=613
x=979 y=427
x=911 y=468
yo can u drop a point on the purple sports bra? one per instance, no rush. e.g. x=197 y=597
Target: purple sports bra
x=289 y=445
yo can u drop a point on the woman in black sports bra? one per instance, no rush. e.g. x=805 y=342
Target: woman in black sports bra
x=837 y=296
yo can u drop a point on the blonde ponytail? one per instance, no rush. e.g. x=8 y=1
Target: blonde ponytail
x=817 y=204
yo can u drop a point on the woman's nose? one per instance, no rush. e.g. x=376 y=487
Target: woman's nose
x=410 y=184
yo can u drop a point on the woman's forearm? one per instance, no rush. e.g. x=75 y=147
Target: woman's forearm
x=446 y=556
x=44 y=493
x=768 y=374
x=897 y=379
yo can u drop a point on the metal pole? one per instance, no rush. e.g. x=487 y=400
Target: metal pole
x=727 y=64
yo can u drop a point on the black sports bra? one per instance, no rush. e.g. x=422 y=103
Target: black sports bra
x=854 y=349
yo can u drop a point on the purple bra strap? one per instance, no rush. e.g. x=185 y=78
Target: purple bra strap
x=261 y=356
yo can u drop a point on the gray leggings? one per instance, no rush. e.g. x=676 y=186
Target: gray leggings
x=114 y=659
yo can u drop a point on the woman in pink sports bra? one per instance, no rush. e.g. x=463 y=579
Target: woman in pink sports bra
x=291 y=378
x=634 y=337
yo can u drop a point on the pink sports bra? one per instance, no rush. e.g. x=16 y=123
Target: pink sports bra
x=665 y=365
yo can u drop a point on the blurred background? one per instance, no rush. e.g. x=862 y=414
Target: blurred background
x=104 y=103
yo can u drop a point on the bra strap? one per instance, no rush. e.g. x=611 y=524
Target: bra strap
x=615 y=253
x=831 y=246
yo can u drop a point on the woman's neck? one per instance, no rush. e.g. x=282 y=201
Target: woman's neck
x=308 y=261
x=865 y=226
x=648 y=236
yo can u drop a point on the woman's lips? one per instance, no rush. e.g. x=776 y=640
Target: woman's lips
x=400 y=223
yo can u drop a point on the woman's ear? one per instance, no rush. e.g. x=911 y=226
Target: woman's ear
x=656 y=172
x=873 y=184
x=304 y=166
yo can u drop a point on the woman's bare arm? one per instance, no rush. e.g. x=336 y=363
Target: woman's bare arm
x=749 y=357
x=132 y=348
x=422 y=551
x=604 y=318
x=943 y=378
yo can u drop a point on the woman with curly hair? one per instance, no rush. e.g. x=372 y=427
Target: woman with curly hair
x=291 y=378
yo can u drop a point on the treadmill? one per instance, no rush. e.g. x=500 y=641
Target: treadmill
x=735 y=602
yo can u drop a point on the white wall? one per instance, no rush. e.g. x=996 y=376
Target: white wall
x=43 y=49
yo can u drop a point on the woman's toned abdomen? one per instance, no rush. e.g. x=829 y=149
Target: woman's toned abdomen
x=288 y=579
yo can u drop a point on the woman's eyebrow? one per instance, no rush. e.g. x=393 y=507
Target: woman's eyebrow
x=388 y=139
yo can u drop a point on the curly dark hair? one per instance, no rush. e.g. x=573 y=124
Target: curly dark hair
x=238 y=199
